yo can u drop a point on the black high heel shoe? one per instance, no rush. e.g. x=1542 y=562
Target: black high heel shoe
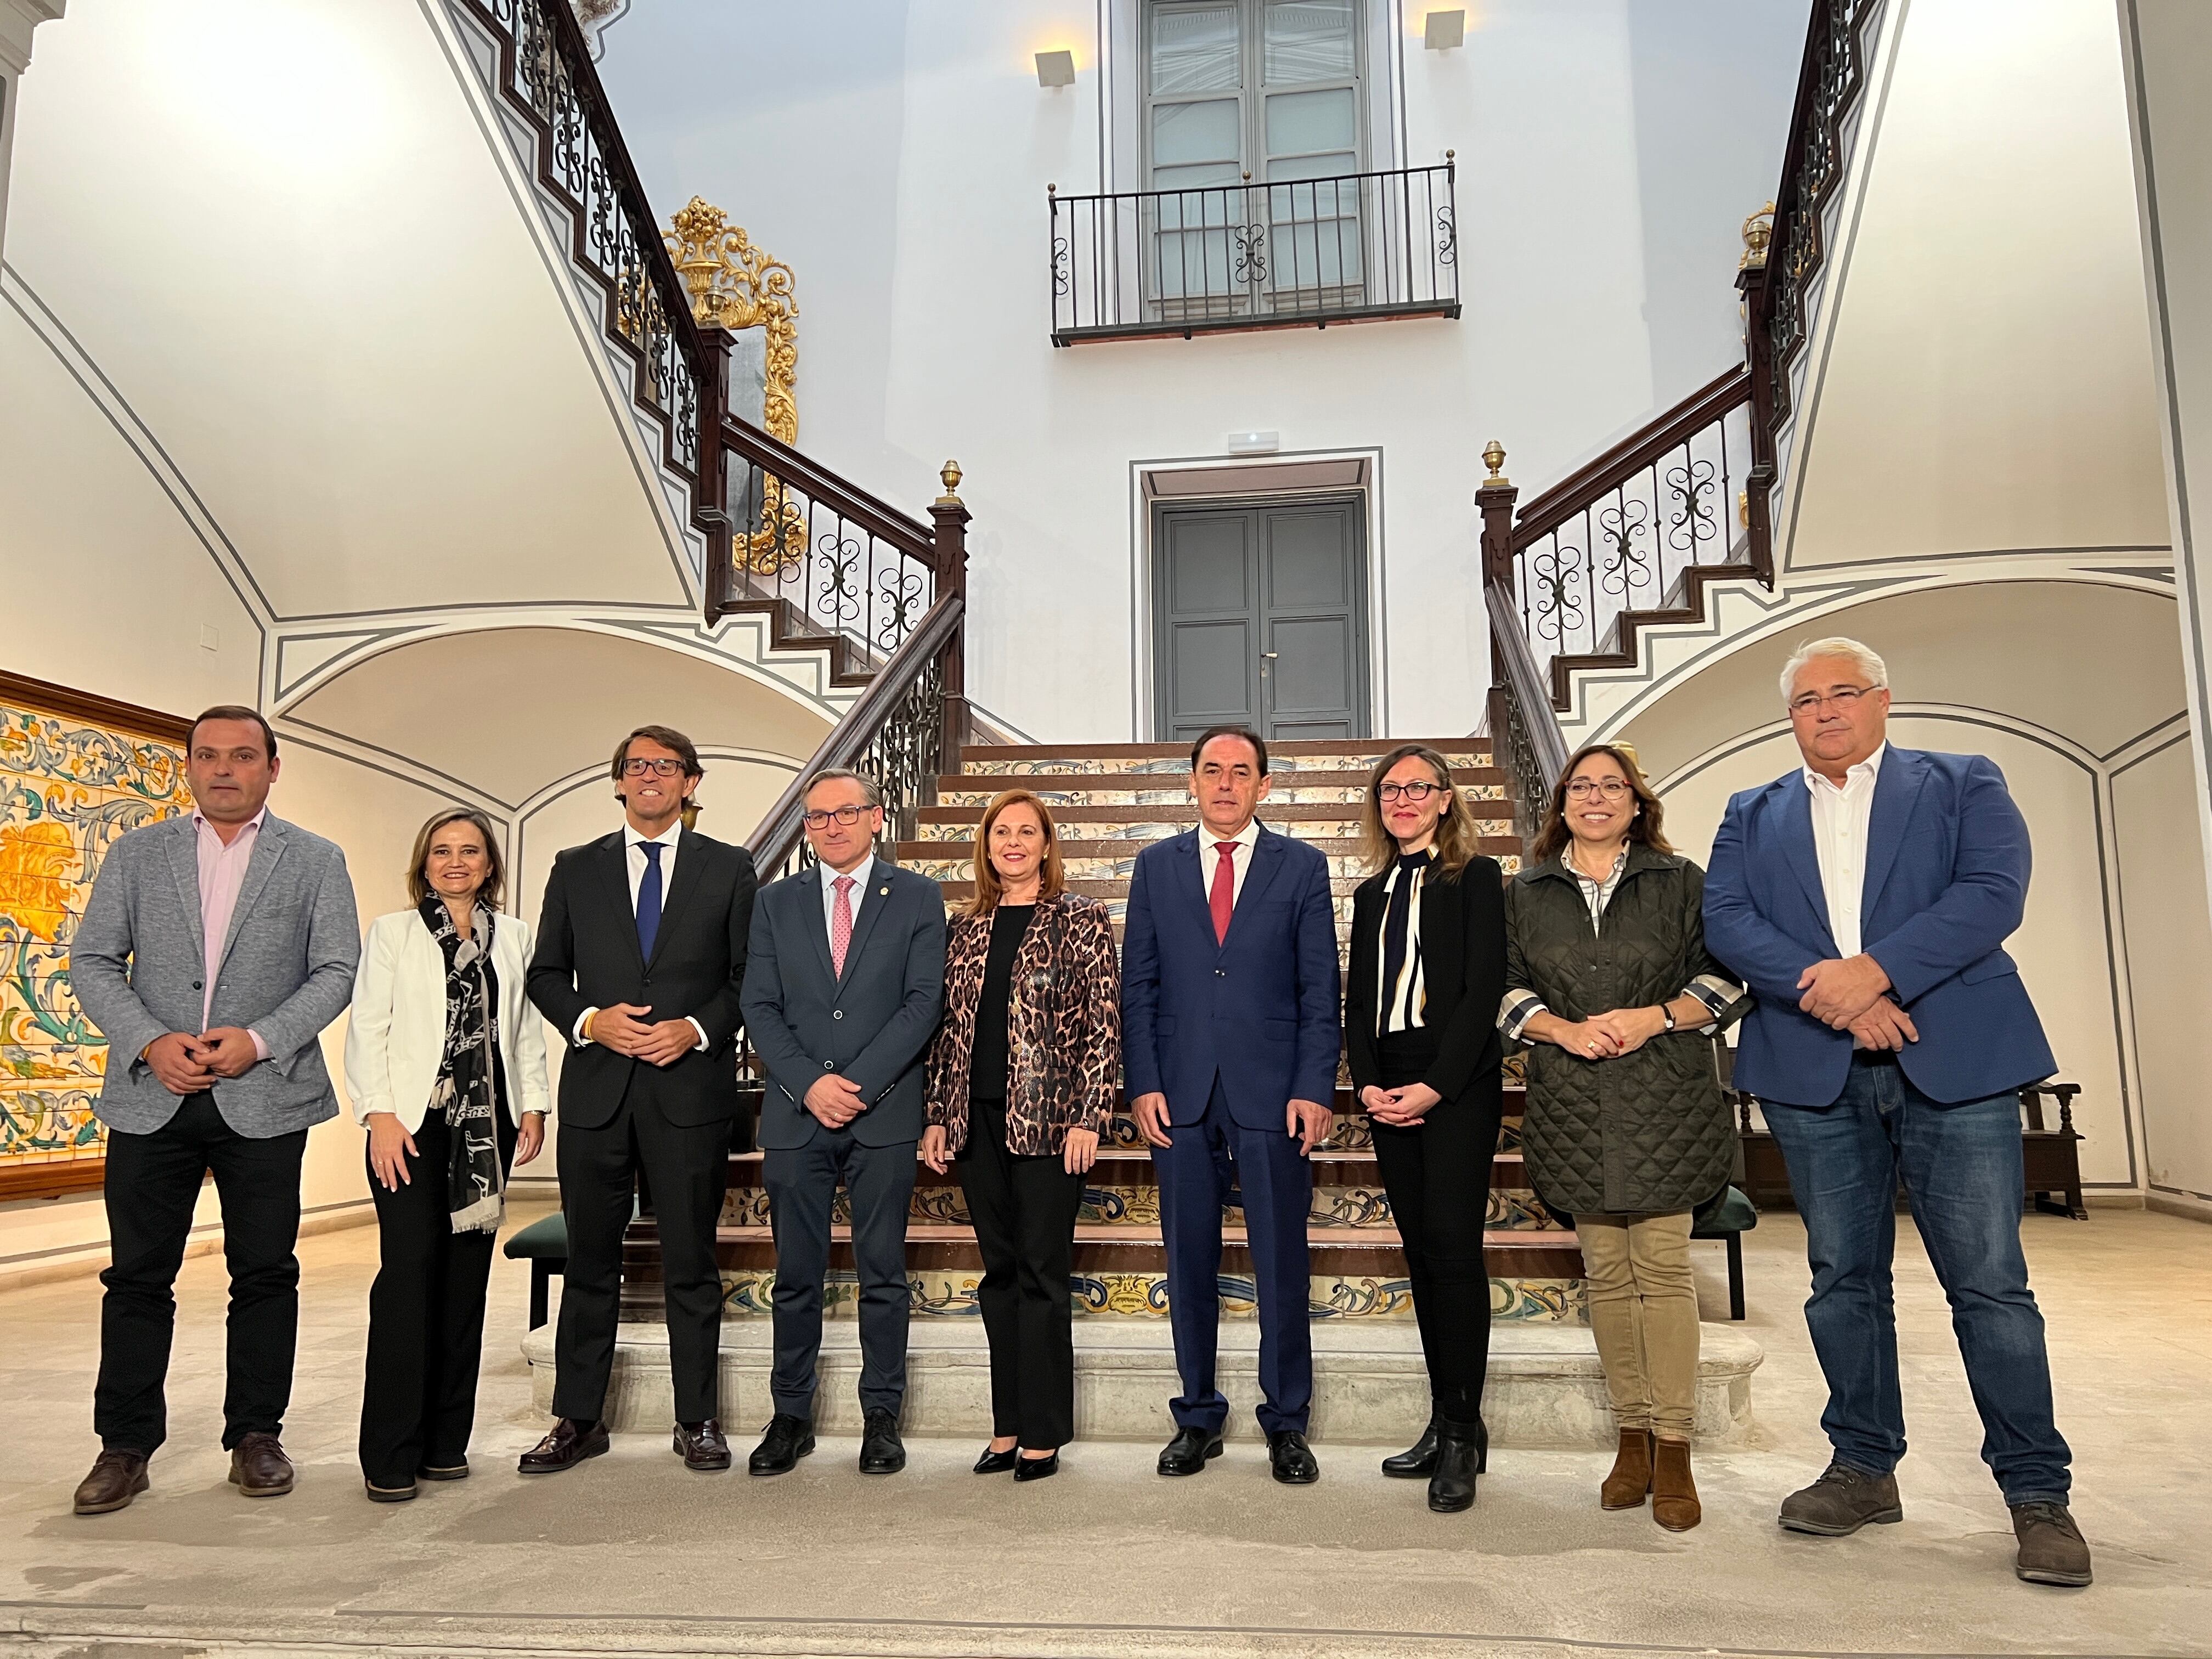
x=995 y=1463
x=1419 y=1460
x=1037 y=1469
x=1460 y=1459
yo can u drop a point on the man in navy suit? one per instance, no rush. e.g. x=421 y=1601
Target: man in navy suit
x=1230 y=1029
x=1865 y=899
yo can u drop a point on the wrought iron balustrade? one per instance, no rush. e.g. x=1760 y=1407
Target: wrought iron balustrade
x=1285 y=252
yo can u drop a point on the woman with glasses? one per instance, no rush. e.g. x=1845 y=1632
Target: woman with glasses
x=1608 y=977
x=1428 y=968
x=1023 y=1077
x=445 y=1065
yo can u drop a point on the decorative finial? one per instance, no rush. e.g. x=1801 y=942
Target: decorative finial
x=1493 y=457
x=949 y=473
x=1052 y=190
x=1758 y=235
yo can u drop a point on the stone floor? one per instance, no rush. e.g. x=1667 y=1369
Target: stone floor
x=631 y=1553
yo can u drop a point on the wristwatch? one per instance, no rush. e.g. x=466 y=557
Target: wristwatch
x=1667 y=1013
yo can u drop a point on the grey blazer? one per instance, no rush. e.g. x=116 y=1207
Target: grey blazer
x=872 y=1025
x=138 y=962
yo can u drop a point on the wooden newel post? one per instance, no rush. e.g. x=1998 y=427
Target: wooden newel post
x=1495 y=496
x=1751 y=282
x=952 y=515
x=711 y=502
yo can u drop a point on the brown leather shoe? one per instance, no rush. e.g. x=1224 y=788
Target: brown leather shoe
x=1673 y=1494
x=568 y=1443
x=117 y=1477
x=1625 y=1488
x=701 y=1445
x=259 y=1468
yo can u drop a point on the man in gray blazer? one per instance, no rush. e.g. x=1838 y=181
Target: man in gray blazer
x=215 y=949
x=844 y=988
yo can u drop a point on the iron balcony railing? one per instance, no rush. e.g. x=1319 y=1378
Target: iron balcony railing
x=1296 y=252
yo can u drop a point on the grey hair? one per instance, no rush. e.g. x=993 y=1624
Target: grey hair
x=1836 y=644
x=870 y=793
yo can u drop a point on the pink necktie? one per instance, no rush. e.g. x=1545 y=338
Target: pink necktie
x=841 y=923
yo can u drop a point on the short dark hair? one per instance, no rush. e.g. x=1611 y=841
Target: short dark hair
x=871 y=791
x=1259 y=745
x=668 y=738
x=232 y=711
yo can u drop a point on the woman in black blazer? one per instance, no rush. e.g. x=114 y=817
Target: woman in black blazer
x=1420 y=1021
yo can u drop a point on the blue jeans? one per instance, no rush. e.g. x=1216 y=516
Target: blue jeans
x=1961 y=1165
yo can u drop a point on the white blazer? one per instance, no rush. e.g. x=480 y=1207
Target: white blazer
x=397 y=1030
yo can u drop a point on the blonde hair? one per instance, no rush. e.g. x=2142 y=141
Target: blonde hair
x=495 y=883
x=1456 y=836
x=988 y=888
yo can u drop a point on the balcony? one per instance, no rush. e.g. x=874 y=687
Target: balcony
x=1290 y=253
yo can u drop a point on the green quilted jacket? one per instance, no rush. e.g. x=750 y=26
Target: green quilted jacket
x=1646 y=1131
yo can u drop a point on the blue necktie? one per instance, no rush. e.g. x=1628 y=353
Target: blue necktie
x=648 y=899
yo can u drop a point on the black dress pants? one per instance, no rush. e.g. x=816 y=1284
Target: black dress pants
x=1437 y=1177
x=152 y=1183
x=1025 y=1211
x=686 y=1167
x=426 y=1313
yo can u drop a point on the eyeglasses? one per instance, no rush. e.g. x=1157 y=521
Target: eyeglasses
x=1845 y=699
x=842 y=814
x=1415 y=792
x=1582 y=788
x=660 y=768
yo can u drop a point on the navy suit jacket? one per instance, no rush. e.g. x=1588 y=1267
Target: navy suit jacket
x=872 y=1024
x=1946 y=866
x=1259 y=1010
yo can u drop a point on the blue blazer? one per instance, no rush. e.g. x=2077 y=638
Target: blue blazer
x=872 y=1025
x=1947 y=864
x=1260 y=1010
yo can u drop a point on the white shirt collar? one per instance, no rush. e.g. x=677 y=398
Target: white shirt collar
x=665 y=838
x=1247 y=838
x=859 y=873
x=1868 y=769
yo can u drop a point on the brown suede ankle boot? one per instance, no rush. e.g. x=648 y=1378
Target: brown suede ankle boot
x=1631 y=1478
x=1674 y=1493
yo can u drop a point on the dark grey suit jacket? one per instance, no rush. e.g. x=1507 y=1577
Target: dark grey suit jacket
x=872 y=1025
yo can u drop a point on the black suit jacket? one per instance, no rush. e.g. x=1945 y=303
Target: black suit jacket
x=1462 y=966
x=872 y=1024
x=587 y=957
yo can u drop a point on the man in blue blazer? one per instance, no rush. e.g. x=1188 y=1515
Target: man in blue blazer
x=1865 y=899
x=1231 y=1030
x=844 y=988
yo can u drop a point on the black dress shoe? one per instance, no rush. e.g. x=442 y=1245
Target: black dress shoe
x=882 y=1451
x=993 y=1462
x=458 y=1471
x=701 y=1445
x=568 y=1443
x=788 y=1439
x=1419 y=1460
x=1460 y=1458
x=1038 y=1469
x=1188 y=1453
x=1294 y=1463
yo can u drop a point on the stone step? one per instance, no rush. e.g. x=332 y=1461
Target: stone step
x=1116 y=860
x=1357 y=754
x=1125 y=1166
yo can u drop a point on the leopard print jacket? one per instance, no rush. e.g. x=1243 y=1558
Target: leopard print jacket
x=1063 y=1033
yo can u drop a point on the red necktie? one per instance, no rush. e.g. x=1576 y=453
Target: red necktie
x=1222 y=899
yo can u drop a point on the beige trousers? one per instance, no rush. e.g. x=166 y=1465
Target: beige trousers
x=1644 y=1312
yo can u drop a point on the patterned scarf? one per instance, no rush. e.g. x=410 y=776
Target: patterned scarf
x=467 y=1088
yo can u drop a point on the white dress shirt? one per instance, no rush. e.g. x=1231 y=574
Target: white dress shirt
x=860 y=874
x=1841 y=813
x=1240 y=861
x=633 y=846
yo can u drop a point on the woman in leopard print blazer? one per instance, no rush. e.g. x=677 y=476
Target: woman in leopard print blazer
x=1022 y=1081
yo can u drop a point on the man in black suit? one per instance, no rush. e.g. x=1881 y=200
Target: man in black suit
x=641 y=953
x=845 y=989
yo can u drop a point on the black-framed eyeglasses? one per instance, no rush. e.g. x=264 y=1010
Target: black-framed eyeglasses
x=1416 y=792
x=1844 y=697
x=660 y=768
x=1582 y=788
x=842 y=814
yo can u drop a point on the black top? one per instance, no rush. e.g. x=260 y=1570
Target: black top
x=1462 y=971
x=987 y=1065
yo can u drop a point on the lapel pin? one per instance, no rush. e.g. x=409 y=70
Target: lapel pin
x=882 y=892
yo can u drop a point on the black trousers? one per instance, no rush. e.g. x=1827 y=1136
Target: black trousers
x=686 y=1168
x=1437 y=1175
x=1025 y=1211
x=153 y=1182
x=426 y=1314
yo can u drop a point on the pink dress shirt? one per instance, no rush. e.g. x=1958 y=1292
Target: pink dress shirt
x=223 y=877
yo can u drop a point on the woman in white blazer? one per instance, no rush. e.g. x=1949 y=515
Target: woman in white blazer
x=445 y=1066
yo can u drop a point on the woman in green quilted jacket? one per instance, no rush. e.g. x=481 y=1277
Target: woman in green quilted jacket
x=1608 y=979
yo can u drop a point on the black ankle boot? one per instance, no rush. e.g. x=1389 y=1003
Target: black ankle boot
x=1460 y=1459
x=1419 y=1460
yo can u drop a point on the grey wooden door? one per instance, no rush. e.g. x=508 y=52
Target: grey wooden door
x=1260 y=618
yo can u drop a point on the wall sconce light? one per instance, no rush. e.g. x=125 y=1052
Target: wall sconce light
x=1055 y=69
x=1443 y=30
x=1255 y=443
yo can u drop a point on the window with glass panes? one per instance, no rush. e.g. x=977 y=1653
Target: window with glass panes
x=1271 y=88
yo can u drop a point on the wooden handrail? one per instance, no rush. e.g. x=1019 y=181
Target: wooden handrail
x=1639 y=450
x=1516 y=669
x=818 y=484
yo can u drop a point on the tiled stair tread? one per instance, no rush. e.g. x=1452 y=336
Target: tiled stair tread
x=1339 y=886
x=1335 y=846
x=1123 y=1167
x=1371 y=749
x=1280 y=778
x=1271 y=812
x=1334 y=1238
